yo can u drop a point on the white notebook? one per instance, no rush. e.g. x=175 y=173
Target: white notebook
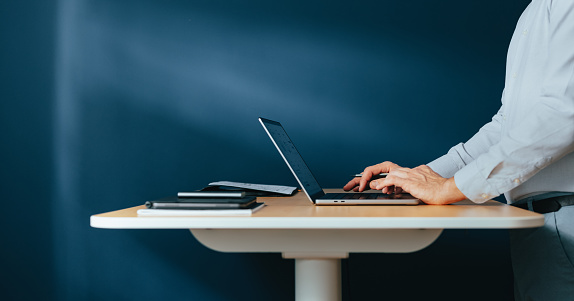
x=287 y=190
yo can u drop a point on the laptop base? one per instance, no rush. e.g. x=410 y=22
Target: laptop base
x=366 y=199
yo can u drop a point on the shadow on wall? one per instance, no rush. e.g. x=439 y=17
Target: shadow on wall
x=154 y=97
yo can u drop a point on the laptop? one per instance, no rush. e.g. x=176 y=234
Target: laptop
x=310 y=185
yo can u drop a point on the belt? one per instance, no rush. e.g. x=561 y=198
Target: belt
x=548 y=205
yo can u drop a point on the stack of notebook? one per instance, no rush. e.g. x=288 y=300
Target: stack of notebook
x=202 y=203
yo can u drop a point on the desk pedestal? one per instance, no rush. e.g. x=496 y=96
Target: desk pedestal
x=317 y=252
x=317 y=279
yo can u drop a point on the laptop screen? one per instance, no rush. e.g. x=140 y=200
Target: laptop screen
x=292 y=158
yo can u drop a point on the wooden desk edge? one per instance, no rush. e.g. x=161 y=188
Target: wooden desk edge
x=128 y=219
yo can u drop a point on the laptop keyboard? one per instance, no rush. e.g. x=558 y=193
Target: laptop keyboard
x=355 y=196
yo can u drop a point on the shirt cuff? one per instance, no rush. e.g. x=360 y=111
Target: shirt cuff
x=473 y=184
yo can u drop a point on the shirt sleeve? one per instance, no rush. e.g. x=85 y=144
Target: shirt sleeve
x=462 y=154
x=545 y=134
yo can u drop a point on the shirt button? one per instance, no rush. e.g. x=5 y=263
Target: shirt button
x=484 y=196
x=524 y=32
x=517 y=180
x=514 y=74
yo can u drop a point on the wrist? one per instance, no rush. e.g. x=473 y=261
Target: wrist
x=452 y=193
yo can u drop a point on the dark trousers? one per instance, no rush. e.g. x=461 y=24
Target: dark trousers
x=543 y=258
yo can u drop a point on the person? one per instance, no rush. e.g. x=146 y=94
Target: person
x=525 y=152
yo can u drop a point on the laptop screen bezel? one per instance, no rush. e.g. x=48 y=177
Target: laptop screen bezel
x=313 y=197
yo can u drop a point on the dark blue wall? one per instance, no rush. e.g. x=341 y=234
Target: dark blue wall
x=106 y=104
x=27 y=50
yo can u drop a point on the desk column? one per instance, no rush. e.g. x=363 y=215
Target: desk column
x=317 y=276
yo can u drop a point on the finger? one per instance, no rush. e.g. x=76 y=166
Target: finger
x=375 y=170
x=389 y=182
x=352 y=184
x=367 y=175
x=382 y=185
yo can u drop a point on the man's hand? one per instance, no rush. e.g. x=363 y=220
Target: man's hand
x=359 y=184
x=423 y=183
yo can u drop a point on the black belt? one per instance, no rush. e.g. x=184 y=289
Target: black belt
x=550 y=204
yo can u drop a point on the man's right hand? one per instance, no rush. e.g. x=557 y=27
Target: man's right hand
x=360 y=183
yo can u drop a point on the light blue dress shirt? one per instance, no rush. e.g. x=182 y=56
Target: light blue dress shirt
x=527 y=148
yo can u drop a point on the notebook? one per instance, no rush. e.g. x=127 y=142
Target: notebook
x=310 y=185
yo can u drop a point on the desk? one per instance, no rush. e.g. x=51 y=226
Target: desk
x=318 y=237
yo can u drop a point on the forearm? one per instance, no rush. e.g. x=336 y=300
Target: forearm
x=462 y=154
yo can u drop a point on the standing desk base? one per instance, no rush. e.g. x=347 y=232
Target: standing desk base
x=317 y=252
x=318 y=279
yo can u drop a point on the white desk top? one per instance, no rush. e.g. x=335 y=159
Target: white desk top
x=298 y=213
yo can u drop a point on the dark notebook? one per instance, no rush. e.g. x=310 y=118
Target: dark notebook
x=201 y=203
